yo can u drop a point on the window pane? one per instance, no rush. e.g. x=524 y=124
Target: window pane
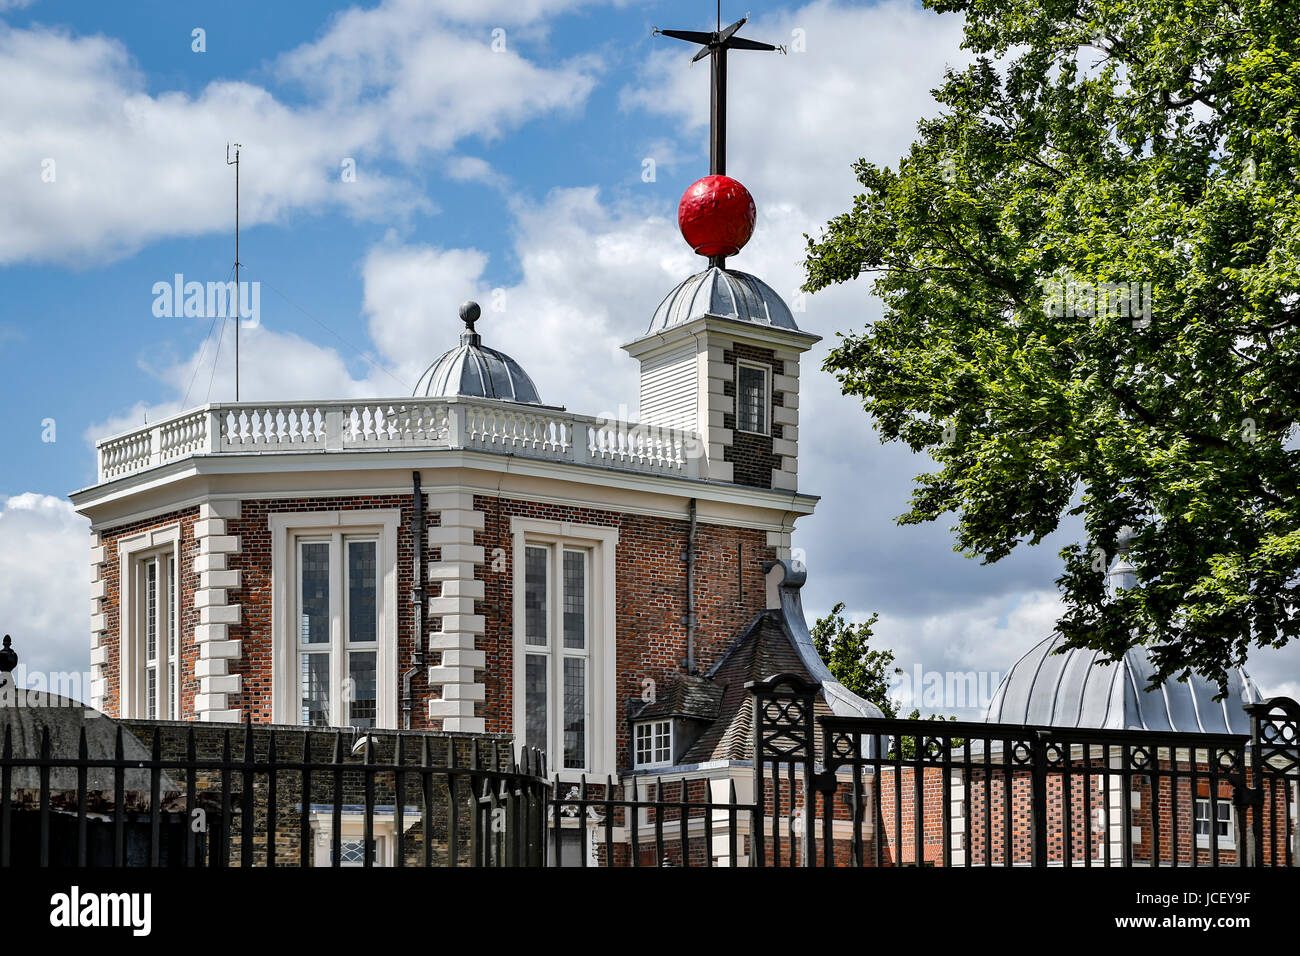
x=361 y=689
x=151 y=610
x=151 y=639
x=535 y=596
x=535 y=701
x=751 y=389
x=315 y=679
x=663 y=742
x=315 y=620
x=575 y=599
x=643 y=743
x=363 y=589
x=575 y=712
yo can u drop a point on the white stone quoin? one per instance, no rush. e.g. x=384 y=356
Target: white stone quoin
x=216 y=613
x=457 y=641
x=98 y=624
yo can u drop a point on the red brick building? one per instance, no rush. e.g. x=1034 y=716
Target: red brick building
x=470 y=558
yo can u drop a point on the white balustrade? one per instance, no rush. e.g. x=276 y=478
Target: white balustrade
x=334 y=426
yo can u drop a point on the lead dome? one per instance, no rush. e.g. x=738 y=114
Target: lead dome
x=724 y=293
x=475 y=371
x=1079 y=688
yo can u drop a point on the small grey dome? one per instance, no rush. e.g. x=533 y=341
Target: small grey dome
x=1078 y=688
x=724 y=293
x=472 y=369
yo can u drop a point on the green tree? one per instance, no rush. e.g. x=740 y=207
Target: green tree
x=1087 y=263
x=846 y=649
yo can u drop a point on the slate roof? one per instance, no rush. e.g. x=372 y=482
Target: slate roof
x=762 y=649
x=689 y=696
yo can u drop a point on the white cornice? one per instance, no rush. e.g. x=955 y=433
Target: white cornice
x=763 y=336
x=279 y=475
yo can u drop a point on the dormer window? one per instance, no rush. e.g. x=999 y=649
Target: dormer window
x=654 y=743
x=751 y=398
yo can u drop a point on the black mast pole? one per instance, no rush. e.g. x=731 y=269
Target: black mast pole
x=715 y=46
x=718 y=114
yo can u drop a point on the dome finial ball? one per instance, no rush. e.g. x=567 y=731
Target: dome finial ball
x=470 y=312
x=716 y=216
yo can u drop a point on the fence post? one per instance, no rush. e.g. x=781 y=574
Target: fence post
x=783 y=732
x=1038 y=798
x=1274 y=750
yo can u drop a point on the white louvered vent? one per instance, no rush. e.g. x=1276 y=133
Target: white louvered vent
x=670 y=390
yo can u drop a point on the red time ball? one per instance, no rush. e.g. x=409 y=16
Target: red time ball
x=716 y=216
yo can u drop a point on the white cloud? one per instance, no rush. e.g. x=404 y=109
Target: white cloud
x=795 y=123
x=425 y=86
x=588 y=271
x=44 y=583
x=100 y=166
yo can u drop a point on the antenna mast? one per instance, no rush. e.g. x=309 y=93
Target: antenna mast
x=238 y=304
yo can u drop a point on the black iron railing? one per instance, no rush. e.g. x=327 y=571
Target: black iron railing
x=646 y=821
x=822 y=791
x=268 y=797
x=941 y=793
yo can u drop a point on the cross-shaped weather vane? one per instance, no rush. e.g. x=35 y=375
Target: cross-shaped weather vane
x=716 y=45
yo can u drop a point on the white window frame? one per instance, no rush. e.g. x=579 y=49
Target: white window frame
x=133 y=554
x=653 y=726
x=766 y=402
x=601 y=544
x=338 y=526
x=352 y=826
x=1226 y=841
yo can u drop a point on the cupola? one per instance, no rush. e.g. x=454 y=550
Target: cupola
x=473 y=370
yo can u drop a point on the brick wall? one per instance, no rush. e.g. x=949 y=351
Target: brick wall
x=187 y=582
x=253 y=560
x=751 y=455
x=650 y=587
x=651 y=594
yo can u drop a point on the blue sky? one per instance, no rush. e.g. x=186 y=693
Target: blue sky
x=102 y=301
x=516 y=173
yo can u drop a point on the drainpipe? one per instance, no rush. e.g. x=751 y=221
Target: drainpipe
x=690 y=593
x=420 y=602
